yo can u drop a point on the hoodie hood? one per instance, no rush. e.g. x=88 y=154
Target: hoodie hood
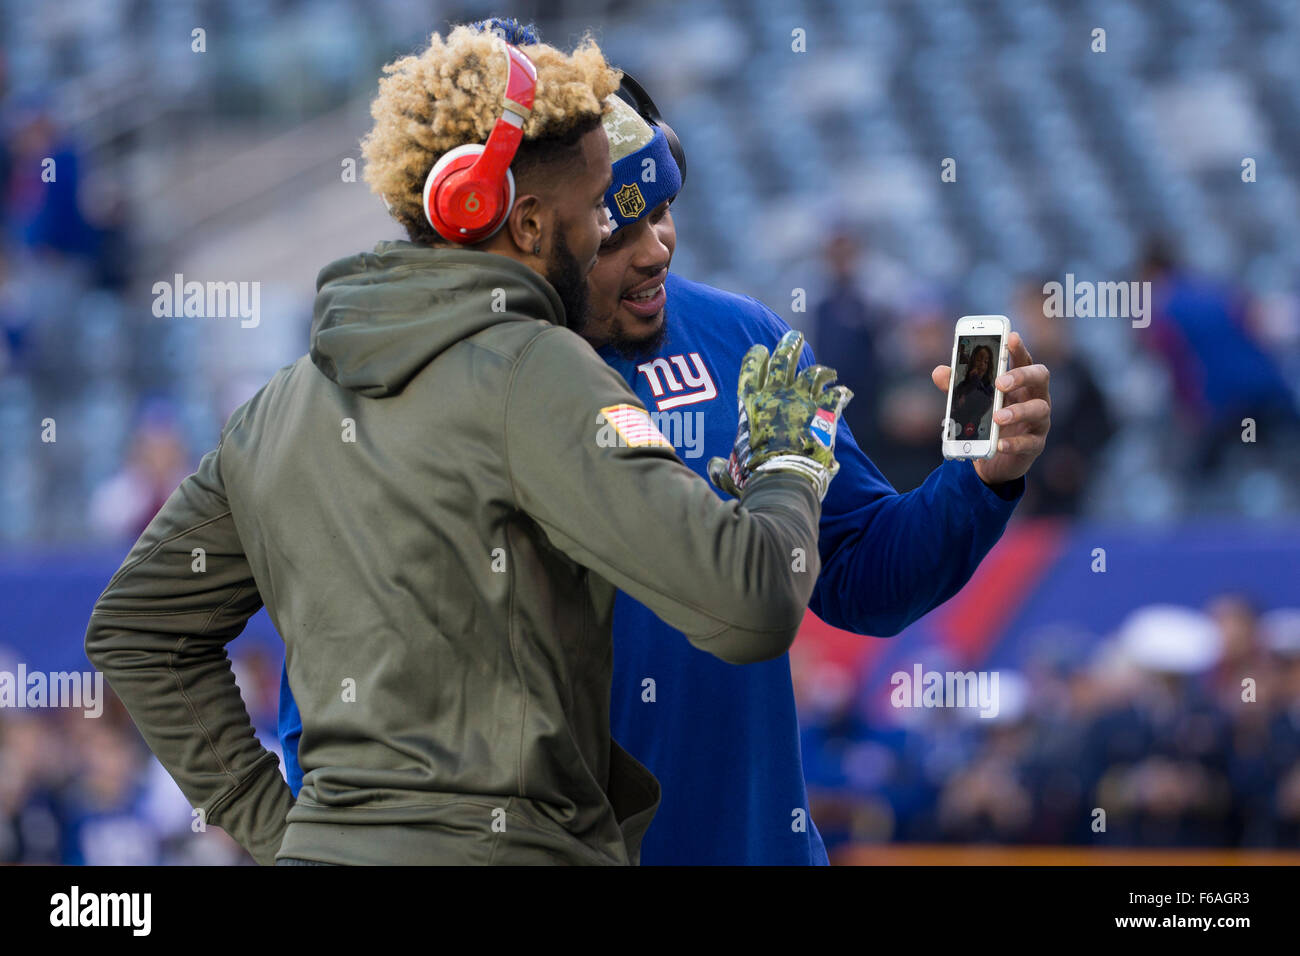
x=380 y=317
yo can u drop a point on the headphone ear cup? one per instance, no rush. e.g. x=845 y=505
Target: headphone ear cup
x=675 y=147
x=634 y=95
x=461 y=207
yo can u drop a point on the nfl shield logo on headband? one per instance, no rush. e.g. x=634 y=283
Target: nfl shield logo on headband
x=629 y=200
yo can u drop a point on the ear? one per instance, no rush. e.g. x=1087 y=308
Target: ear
x=526 y=225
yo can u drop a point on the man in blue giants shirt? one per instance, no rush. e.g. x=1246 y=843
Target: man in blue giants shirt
x=724 y=740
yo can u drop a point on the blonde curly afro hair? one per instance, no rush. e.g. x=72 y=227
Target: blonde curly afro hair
x=450 y=94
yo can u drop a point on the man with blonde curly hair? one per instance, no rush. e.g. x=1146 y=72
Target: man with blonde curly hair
x=437 y=505
x=449 y=95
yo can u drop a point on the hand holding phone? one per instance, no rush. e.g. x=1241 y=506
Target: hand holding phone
x=979 y=357
x=1023 y=420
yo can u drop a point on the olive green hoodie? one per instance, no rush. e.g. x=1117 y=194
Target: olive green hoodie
x=436 y=507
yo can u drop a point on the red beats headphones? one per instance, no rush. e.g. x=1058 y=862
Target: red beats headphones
x=470 y=190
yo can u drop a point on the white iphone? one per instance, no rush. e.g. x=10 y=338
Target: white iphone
x=979 y=357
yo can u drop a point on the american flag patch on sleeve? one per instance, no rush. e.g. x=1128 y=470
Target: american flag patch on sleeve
x=634 y=426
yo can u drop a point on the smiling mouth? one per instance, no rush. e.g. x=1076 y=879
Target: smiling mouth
x=647 y=295
x=646 y=304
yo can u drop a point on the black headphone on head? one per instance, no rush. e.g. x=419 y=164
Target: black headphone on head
x=634 y=95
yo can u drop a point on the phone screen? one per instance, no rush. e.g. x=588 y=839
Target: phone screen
x=971 y=414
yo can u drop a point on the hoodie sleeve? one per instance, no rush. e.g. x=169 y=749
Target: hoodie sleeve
x=159 y=633
x=587 y=464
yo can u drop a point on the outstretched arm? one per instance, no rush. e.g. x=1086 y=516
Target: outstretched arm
x=890 y=558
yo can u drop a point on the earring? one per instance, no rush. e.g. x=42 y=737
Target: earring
x=537 y=249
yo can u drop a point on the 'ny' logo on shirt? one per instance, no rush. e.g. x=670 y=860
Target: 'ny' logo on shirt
x=694 y=386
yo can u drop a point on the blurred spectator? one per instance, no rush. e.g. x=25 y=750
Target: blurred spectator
x=29 y=778
x=909 y=410
x=109 y=214
x=1081 y=420
x=988 y=801
x=16 y=315
x=44 y=191
x=1244 y=654
x=156 y=464
x=1220 y=373
x=1284 y=749
x=846 y=327
x=103 y=804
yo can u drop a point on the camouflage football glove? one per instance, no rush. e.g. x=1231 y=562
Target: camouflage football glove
x=787 y=421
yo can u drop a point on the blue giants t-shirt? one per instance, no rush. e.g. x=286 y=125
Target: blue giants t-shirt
x=724 y=739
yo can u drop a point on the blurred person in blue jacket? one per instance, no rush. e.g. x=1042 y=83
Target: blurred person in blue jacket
x=1220 y=373
x=846 y=326
x=103 y=809
x=44 y=199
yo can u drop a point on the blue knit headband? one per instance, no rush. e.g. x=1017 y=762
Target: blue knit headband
x=642 y=181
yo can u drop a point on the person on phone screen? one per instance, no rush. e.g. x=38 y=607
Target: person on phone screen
x=973 y=396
